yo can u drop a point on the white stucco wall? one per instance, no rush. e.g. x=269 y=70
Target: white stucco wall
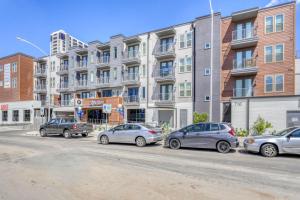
x=297 y=76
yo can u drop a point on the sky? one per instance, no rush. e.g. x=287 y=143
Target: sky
x=90 y=20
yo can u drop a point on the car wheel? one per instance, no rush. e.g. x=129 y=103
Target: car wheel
x=174 y=144
x=84 y=134
x=43 y=133
x=104 y=139
x=269 y=150
x=140 y=142
x=67 y=134
x=223 y=147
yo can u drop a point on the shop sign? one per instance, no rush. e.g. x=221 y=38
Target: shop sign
x=107 y=108
x=96 y=102
x=4 y=107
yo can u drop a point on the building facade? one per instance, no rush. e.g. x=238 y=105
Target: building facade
x=257 y=55
x=61 y=42
x=16 y=89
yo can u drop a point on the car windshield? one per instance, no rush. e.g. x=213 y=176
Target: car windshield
x=148 y=126
x=284 y=132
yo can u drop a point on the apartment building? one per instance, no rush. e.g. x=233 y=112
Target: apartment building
x=46 y=82
x=149 y=76
x=258 y=59
x=16 y=89
x=61 y=42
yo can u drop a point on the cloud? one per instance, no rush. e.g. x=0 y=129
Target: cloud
x=275 y=2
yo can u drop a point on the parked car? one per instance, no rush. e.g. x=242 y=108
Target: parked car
x=285 y=141
x=220 y=136
x=66 y=127
x=131 y=133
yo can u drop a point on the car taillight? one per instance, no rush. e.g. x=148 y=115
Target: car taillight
x=231 y=132
x=152 y=131
x=74 y=126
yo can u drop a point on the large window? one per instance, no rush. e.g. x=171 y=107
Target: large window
x=274 y=23
x=274 y=53
x=136 y=115
x=15 y=117
x=279 y=52
x=268 y=54
x=26 y=115
x=4 y=116
x=107 y=93
x=274 y=83
x=279 y=23
x=185 y=89
x=185 y=40
x=269 y=24
x=185 y=64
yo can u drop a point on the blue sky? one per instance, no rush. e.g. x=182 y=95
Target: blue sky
x=90 y=20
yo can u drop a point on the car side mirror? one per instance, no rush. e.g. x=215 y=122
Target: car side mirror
x=288 y=137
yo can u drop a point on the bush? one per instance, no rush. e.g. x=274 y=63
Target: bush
x=199 y=117
x=241 y=132
x=260 y=126
x=166 y=130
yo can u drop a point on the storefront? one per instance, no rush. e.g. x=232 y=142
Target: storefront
x=92 y=110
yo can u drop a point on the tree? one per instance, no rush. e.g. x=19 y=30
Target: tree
x=260 y=126
x=199 y=117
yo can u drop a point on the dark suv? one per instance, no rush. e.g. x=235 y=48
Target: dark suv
x=220 y=136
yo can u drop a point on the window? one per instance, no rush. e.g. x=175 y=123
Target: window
x=181 y=39
x=14 y=67
x=106 y=93
x=279 y=52
x=185 y=89
x=189 y=39
x=274 y=83
x=15 y=116
x=206 y=71
x=115 y=52
x=185 y=64
x=214 y=127
x=144 y=70
x=26 y=115
x=207 y=46
x=14 y=83
x=92 y=57
x=295 y=134
x=279 y=23
x=207 y=98
x=119 y=128
x=85 y=95
x=268 y=54
x=144 y=92
x=1 y=83
x=182 y=65
x=4 y=116
x=115 y=74
x=269 y=24
x=188 y=64
x=144 y=48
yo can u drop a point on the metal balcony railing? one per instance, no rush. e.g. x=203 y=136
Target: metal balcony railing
x=40 y=71
x=243 y=34
x=131 y=77
x=63 y=85
x=244 y=63
x=103 y=80
x=164 y=73
x=81 y=64
x=82 y=83
x=168 y=48
x=165 y=97
x=63 y=67
x=131 y=99
x=103 y=60
x=243 y=92
x=130 y=56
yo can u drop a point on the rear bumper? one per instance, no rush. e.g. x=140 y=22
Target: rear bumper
x=153 y=139
x=235 y=144
x=251 y=147
x=79 y=131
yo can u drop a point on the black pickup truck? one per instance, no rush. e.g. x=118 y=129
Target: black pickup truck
x=66 y=127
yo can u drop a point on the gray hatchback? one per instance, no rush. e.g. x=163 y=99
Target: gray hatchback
x=131 y=133
x=220 y=136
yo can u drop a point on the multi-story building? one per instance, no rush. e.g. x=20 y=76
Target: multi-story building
x=258 y=58
x=46 y=82
x=61 y=42
x=149 y=74
x=17 y=104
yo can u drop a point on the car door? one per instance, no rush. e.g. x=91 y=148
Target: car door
x=206 y=135
x=117 y=133
x=292 y=142
x=130 y=133
x=50 y=126
x=192 y=136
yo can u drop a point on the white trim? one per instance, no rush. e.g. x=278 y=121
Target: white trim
x=275 y=20
x=282 y=51
x=282 y=82
x=265 y=27
x=265 y=85
x=265 y=47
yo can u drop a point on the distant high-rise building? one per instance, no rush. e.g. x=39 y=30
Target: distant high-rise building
x=60 y=42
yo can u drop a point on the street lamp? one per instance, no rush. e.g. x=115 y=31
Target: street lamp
x=211 y=60
x=48 y=70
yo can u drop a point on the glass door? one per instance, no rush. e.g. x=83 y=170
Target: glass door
x=166 y=68
x=166 y=92
x=239 y=32
x=248 y=30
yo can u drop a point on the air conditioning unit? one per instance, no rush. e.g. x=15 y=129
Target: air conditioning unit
x=78 y=102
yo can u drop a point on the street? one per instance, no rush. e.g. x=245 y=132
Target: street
x=57 y=168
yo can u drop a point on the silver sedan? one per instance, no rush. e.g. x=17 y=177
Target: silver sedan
x=286 y=141
x=131 y=133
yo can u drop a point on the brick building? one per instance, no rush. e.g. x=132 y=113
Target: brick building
x=16 y=89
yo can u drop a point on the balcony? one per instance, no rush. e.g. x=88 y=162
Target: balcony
x=66 y=103
x=243 y=92
x=131 y=78
x=81 y=84
x=244 y=14
x=40 y=88
x=63 y=87
x=244 y=38
x=165 y=51
x=165 y=99
x=63 y=69
x=40 y=72
x=165 y=75
x=103 y=82
x=131 y=57
x=103 y=61
x=81 y=66
x=245 y=67
x=132 y=100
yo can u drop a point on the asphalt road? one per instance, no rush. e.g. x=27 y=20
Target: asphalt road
x=32 y=168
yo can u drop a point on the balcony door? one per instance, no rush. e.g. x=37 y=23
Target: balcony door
x=166 y=43
x=165 y=68
x=166 y=91
x=106 y=56
x=244 y=30
x=133 y=72
x=132 y=51
x=243 y=59
x=133 y=94
x=243 y=88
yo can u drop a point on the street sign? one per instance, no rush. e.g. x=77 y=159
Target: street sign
x=107 y=108
x=42 y=111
